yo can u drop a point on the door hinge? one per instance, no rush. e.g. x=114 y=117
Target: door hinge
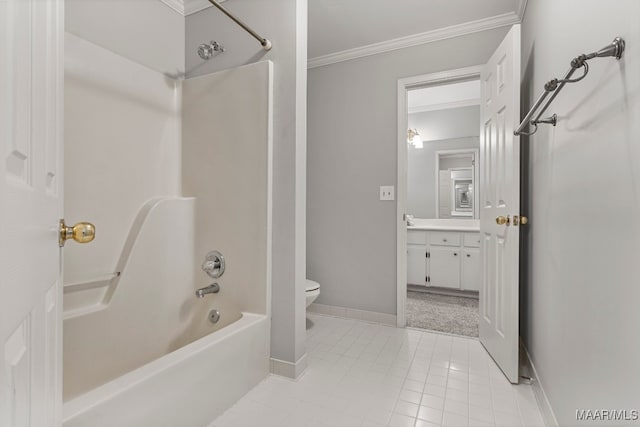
x=427 y=255
x=427 y=279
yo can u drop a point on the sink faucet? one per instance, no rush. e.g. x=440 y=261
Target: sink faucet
x=211 y=289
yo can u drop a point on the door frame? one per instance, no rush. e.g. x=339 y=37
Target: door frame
x=403 y=86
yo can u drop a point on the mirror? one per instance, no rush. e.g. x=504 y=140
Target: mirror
x=456 y=184
x=443 y=146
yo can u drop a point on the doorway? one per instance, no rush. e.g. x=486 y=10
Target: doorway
x=442 y=206
x=448 y=255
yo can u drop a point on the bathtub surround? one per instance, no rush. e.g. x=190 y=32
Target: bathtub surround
x=579 y=311
x=223 y=158
x=283 y=22
x=96 y=331
x=226 y=143
x=134 y=110
x=349 y=228
x=154 y=34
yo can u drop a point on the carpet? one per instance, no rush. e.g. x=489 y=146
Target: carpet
x=443 y=313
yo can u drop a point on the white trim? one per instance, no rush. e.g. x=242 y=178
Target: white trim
x=193 y=6
x=404 y=85
x=444 y=106
x=548 y=416
x=401 y=205
x=288 y=369
x=452 y=31
x=177 y=5
x=522 y=9
x=270 y=169
x=188 y=7
x=352 y=313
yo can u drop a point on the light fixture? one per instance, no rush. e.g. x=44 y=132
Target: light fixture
x=413 y=138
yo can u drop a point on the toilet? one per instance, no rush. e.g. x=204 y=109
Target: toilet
x=312 y=291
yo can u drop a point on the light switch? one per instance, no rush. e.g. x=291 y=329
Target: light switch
x=387 y=192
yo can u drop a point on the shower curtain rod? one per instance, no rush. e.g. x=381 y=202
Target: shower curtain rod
x=266 y=44
x=554 y=86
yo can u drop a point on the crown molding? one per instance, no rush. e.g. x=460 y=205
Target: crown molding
x=188 y=7
x=522 y=8
x=416 y=39
x=177 y=5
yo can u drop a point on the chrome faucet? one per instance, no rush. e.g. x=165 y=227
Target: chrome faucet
x=211 y=289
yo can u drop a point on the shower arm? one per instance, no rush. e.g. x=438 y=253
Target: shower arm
x=266 y=44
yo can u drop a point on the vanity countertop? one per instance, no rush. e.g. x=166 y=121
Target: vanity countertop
x=445 y=224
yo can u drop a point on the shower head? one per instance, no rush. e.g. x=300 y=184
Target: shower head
x=206 y=50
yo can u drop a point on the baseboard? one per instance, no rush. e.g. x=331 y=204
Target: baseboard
x=352 y=313
x=444 y=291
x=538 y=390
x=288 y=369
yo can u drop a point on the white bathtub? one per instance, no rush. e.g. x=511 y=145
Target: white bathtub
x=189 y=387
x=138 y=347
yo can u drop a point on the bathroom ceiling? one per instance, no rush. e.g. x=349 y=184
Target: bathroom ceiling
x=339 y=25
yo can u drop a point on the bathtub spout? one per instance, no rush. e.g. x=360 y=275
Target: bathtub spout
x=211 y=289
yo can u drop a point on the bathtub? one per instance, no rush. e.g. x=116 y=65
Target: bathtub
x=139 y=348
x=188 y=387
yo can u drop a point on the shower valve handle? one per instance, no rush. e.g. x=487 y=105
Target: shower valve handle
x=213 y=264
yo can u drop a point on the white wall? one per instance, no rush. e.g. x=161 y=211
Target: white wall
x=284 y=23
x=446 y=124
x=421 y=175
x=226 y=146
x=581 y=191
x=122 y=148
x=351 y=240
x=450 y=129
x=145 y=31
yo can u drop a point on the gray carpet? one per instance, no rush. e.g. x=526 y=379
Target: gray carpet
x=443 y=313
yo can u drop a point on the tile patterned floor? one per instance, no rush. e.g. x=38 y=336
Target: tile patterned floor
x=368 y=375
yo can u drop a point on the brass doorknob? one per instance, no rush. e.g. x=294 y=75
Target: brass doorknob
x=82 y=232
x=520 y=220
x=502 y=220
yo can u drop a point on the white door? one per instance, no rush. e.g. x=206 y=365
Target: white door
x=500 y=200
x=31 y=83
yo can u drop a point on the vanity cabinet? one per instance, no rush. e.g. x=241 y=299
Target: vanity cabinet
x=416 y=258
x=471 y=268
x=444 y=259
x=444 y=267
